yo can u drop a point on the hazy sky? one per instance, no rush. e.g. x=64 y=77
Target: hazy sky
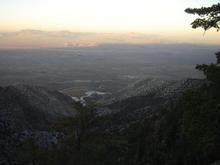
x=165 y=17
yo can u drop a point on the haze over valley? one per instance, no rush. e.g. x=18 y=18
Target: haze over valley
x=106 y=67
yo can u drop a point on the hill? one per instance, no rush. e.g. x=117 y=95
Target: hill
x=174 y=123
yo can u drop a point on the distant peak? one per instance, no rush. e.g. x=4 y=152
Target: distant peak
x=30 y=31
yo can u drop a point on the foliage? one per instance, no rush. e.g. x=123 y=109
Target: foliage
x=212 y=72
x=209 y=17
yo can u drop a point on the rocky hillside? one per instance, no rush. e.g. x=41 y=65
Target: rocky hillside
x=29 y=113
x=36 y=108
x=142 y=100
x=32 y=107
x=147 y=125
x=157 y=87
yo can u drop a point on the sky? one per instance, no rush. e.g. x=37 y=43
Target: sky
x=161 y=17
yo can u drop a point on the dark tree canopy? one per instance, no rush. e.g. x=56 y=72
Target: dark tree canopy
x=209 y=17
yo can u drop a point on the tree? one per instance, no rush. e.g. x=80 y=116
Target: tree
x=209 y=17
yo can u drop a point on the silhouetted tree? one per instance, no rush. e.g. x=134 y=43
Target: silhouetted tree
x=209 y=17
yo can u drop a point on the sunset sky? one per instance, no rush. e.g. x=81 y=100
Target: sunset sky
x=161 y=17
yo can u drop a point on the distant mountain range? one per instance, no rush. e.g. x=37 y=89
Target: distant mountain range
x=49 y=39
